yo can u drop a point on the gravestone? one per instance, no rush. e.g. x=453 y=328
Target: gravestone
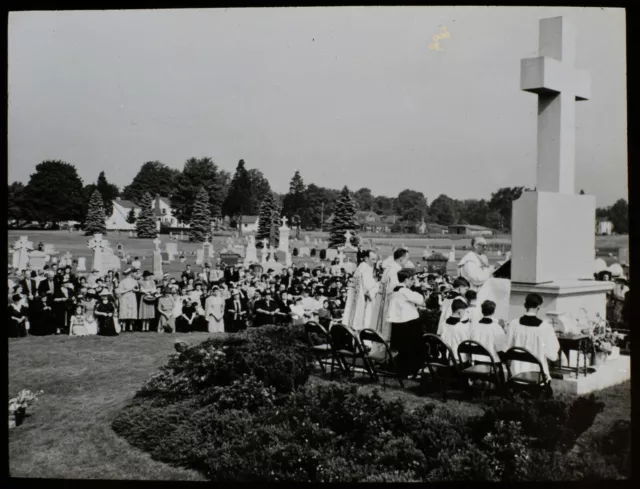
x=305 y=251
x=131 y=234
x=284 y=235
x=239 y=249
x=49 y=249
x=229 y=258
x=306 y=239
x=37 y=260
x=280 y=256
x=82 y=264
x=452 y=254
x=172 y=250
x=199 y=256
x=347 y=240
x=251 y=254
x=553 y=239
x=97 y=244
x=623 y=255
x=206 y=250
x=331 y=254
x=287 y=260
x=68 y=259
x=157 y=264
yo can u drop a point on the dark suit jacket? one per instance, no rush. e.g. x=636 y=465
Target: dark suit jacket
x=262 y=319
x=44 y=288
x=230 y=308
x=29 y=287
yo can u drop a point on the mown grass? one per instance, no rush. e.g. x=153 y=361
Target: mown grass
x=87 y=380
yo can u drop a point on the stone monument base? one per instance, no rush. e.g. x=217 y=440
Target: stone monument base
x=613 y=372
x=562 y=296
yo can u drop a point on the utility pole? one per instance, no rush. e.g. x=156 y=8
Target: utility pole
x=322 y=217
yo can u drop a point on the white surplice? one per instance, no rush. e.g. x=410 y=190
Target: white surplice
x=539 y=340
x=357 y=313
x=380 y=307
x=491 y=336
x=454 y=334
x=475 y=268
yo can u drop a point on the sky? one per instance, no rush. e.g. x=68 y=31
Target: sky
x=389 y=98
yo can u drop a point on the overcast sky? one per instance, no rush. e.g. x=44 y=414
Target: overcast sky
x=349 y=96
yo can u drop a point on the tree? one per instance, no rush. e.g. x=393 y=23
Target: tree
x=238 y=202
x=261 y=189
x=200 y=223
x=155 y=178
x=474 y=211
x=411 y=205
x=502 y=202
x=619 y=216
x=146 y=224
x=95 y=221
x=295 y=201
x=343 y=219
x=197 y=172
x=443 y=210
x=18 y=208
x=269 y=216
x=54 y=193
x=364 y=199
x=108 y=191
x=383 y=205
x=131 y=216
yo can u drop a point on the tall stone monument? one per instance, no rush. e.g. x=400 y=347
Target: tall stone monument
x=553 y=237
x=284 y=236
x=97 y=244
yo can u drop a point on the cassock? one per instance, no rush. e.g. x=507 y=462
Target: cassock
x=475 y=268
x=360 y=299
x=388 y=283
x=454 y=332
x=446 y=308
x=537 y=336
x=488 y=332
x=406 y=333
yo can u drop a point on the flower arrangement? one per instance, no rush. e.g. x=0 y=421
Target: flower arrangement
x=19 y=404
x=602 y=336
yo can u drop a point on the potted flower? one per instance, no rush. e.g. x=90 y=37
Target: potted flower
x=604 y=341
x=18 y=406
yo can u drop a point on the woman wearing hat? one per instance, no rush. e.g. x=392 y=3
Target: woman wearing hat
x=165 y=311
x=89 y=303
x=18 y=320
x=128 y=300
x=62 y=304
x=148 y=300
x=105 y=312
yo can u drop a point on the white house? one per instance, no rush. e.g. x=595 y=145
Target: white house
x=249 y=224
x=605 y=227
x=164 y=214
x=118 y=218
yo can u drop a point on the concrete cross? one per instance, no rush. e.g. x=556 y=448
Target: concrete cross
x=97 y=242
x=558 y=85
x=67 y=258
x=265 y=242
x=22 y=244
x=157 y=242
x=284 y=221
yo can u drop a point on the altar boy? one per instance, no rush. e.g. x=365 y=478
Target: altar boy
x=488 y=331
x=455 y=329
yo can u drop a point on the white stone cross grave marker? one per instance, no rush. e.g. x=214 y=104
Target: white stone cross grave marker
x=284 y=221
x=157 y=242
x=97 y=244
x=21 y=250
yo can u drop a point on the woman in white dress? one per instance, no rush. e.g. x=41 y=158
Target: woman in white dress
x=214 y=307
x=90 y=322
x=128 y=301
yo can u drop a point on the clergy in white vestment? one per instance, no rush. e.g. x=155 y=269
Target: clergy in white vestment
x=359 y=307
x=388 y=283
x=488 y=332
x=474 y=266
x=460 y=288
x=456 y=328
x=534 y=334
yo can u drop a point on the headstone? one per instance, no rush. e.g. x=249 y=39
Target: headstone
x=251 y=254
x=315 y=243
x=623 y=255
x=305 y=251
x=306 y=239
x=287 y=260
x=49 y=249
x=284 y=236
x=21 y=253
x=68 y=259
x=206 y=250
x=452 y=254
x=280 y=256
x=239 y=249
x=38 y=259
x=97 y=244
x=82 y=265
x=553 y=239
x=347 y=240
x=157 y=242
x=131 y=234
x=199 y=256
x=157 y=264
x=172 y=250
x=331 y=254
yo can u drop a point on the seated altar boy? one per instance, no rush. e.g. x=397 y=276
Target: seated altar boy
x=488 y=332
x=534 y=334
x=455 y=329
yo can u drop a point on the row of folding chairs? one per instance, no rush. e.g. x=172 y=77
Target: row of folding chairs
x=473 y=368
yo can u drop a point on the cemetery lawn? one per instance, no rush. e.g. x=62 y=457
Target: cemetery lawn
x=88 y=380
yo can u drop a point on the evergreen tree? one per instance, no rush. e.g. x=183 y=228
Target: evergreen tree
x=295 y=202
x=269 y=215
x=96 y=220
x=239 y=200
x=131 y=216
x=200 y=224
x=344 y=219
x=146 y=224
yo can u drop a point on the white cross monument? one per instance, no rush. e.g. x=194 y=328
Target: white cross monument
x=97 y=244
x=553 y=228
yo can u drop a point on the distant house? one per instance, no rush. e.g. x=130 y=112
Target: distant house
x=370 y=222
x=117 y=221
x=433 y=228
x=163 y=214
x=470 y=230
x=605 y=227
x=250 y=224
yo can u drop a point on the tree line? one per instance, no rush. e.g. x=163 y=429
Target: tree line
x=55 y=193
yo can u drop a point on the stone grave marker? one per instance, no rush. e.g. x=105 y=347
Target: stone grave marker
x=284 y=235
x=172 y=250
x=97 y=244
x=82 y=264
x=199 y=256
x=49 y=249
x=251 y=253
x=157 y=264
x=332 y=253
x=37 y=260
x=305 y=251
x=452 y=254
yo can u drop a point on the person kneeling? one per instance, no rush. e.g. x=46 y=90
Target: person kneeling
x=406 y=327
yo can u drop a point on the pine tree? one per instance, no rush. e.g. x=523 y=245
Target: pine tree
x=131 y=216
x=239 y=200
x=343 y=219
x=95 y=221
x=269 y=214
x=145 y=224
x=200 y=224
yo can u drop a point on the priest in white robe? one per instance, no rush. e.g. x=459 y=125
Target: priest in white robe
x=388 y=283
x=474 y=266
x=359 y=307
x=534 y=334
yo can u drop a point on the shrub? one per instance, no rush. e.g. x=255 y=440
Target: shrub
x=295 y=252
x=323 y=254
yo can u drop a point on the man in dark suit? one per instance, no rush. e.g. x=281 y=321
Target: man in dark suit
x=236 y=311
x=47 y=287
x=188 y=274
x=29 y=285
x=265 y=310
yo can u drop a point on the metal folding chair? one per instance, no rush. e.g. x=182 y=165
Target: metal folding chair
x=349 y=350
x=486 y=371
x=531 y=382
x=383 y=360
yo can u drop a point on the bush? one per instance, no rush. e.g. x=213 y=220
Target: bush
x=238 y=409
x=295 y=252
x=323 y=254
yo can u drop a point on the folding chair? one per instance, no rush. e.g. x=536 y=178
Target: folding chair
x=382 y=361
x=486 y=371
x=531 y=382
x=440 y=362
x=349 y=350
x=319 y=345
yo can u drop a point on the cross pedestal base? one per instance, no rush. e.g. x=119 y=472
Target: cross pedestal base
x=567 y=296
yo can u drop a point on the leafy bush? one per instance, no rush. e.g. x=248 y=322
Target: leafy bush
x=238 y=409
x=295 y=252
